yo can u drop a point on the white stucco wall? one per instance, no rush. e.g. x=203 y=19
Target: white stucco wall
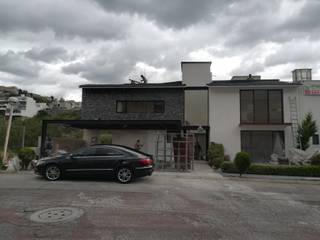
x=310 y=103
x=129 y=137
x=224 y=118
x=196 y=73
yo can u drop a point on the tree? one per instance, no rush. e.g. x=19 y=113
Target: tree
x=306 y=129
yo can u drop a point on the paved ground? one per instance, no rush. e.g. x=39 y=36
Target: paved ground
x=164 y=206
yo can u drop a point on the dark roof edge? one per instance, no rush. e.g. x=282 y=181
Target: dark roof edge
x=262 y=82
x=188 y=62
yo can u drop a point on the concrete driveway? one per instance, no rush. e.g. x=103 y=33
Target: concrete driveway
x=164 y=206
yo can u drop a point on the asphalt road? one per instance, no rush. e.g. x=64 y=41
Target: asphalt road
x=163 y=206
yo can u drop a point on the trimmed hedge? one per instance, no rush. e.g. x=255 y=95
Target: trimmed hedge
x=216 y=154
x=315 y=160
x=280 y=170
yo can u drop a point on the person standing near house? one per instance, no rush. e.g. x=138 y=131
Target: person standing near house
x=138 y=145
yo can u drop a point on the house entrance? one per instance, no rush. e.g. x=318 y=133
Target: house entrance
x=175 y=151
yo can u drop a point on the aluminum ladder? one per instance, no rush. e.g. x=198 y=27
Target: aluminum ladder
x=294 y=120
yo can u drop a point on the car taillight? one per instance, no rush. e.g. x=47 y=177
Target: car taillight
x=145 y=161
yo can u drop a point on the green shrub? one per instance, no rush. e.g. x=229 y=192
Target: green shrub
x=242 y=162
x=228 y=167
x=215 y=154
x=26 y=155
x=315 y=160
x=279 y=170
x=105 y=138
x=10 y=154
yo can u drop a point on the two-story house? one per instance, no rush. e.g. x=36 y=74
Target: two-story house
x=131 y=112
x=146 y=111
x=251 y=114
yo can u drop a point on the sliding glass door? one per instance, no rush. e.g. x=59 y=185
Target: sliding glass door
x=261 y=144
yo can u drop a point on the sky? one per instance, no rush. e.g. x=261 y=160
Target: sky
x=52 y=47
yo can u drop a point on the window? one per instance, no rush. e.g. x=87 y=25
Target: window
x=261 y=144
x=140 y=106
x=261 y=106
x=315 y=139
x=106 y=152
x=85 y=152
x=246 y=106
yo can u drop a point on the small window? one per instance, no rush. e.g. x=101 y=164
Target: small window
x=140 y=107
x=158 y=107
x=121 y=107
x=315 y=139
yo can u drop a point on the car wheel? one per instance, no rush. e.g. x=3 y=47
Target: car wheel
x=53 y=172
x=124 y=175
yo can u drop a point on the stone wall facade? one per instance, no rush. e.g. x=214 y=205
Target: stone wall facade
x=100 y=104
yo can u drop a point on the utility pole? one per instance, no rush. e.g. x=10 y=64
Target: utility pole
x=23 y=135
x=12 y=102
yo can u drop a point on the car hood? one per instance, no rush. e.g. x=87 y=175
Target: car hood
x=57 y=157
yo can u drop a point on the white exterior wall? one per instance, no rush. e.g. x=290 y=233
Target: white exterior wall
x=196 y=73
x=129 y=137
x=30 y=110
x=224 y=118
x=310 y=103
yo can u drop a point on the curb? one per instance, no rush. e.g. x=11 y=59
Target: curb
x=271 y=177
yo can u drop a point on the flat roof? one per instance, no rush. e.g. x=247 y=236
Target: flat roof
x=245 y=83
x=176 y=84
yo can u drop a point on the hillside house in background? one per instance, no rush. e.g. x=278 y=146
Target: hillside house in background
x=26 y=107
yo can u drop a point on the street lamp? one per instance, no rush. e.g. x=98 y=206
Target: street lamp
x=12 y=102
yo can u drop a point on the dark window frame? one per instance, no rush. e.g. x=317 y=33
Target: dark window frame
x=137 y=101
x=268 y=106
x=315 y=139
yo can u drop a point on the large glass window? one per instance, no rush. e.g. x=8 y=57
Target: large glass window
x=262 y=144
x=246 y=106
x=140 y=106
x=275 y=106
x=261 y=106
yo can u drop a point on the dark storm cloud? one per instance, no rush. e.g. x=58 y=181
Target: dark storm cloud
x=50 y=54
x=17 y=64
x=65 y=18
x=307 y=21
x=171 y=13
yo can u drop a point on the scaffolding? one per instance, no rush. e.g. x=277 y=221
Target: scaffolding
x=175 y=151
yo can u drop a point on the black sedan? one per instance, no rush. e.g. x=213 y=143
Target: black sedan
x=123 y=162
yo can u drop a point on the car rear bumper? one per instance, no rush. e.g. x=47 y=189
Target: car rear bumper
x=143 y=171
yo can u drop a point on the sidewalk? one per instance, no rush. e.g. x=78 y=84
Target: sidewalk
x=269 y=177
x=201 y=171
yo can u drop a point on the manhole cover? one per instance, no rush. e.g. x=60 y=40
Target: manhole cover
x=60 y=214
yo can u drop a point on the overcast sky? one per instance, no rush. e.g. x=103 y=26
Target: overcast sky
x=51 y=47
